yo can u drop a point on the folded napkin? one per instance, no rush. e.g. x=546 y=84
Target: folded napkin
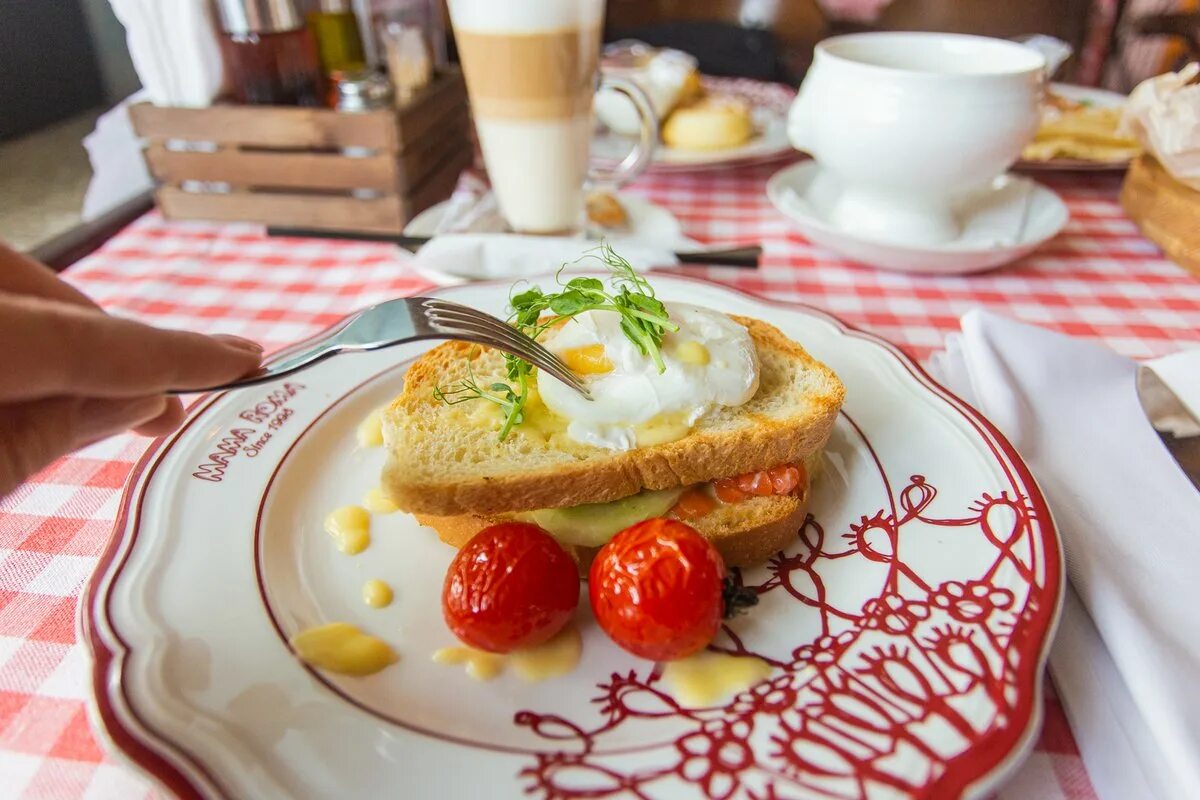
x=174 y=48
x=119 y=171
x=1127 y=654
x=472 y=241
x=508 y=255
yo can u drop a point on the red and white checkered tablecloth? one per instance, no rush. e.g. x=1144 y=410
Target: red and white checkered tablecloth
x=1099 y=280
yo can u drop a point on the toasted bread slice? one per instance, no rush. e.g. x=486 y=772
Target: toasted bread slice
x=745 y=533
x=448 y=460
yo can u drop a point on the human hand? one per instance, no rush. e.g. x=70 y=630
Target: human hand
x=71 y=375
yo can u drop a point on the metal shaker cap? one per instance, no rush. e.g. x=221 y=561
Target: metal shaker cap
x=259 y=16
x=362 y=90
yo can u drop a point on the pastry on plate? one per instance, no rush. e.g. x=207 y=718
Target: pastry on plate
x=714 y=123
x=1078 y=131
x=668 y=78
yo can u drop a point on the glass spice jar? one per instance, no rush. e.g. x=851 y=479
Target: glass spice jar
x=271 y=57
x=339 y=42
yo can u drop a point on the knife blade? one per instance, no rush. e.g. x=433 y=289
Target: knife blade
x=1175 y=425
x=746 y=256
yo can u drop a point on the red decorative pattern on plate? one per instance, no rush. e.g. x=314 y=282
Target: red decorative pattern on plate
x=891 y=695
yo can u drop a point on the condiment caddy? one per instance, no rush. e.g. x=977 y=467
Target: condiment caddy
x=367 y=167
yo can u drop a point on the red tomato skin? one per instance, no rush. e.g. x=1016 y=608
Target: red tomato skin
x=656 y=590
x=511 y=586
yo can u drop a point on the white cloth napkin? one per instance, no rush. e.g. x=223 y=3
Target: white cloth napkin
x=508 y=255
x=118 y=170
x=1127 y=656
x=174 y=48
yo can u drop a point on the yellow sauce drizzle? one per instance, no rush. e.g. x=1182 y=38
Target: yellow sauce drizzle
x=481 y=666
x=350 y=527
x=540 y=423
x=702 y=680
x=342 y=648
x=551 y=659
x=370 y=430
x=662 y=429
x=376 y=593
x=692 y=352
x=379 y=503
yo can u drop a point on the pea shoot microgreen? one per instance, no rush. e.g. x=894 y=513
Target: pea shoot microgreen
x=644 y=321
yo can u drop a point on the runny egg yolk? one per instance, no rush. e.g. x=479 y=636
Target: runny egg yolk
x=587 y=360
x=710 y=361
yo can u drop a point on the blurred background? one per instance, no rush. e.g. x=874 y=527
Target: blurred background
x=66 y=62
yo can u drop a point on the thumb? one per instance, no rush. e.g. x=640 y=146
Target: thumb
x=33 y=434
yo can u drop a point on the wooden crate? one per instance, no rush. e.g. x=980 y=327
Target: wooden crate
x=313 y=168
x=1166 y=211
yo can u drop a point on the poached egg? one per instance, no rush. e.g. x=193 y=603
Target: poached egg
x=710 y=361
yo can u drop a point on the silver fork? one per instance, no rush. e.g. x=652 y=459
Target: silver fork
x=410 y=319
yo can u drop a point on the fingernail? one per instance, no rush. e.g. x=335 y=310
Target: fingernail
x=238 y=342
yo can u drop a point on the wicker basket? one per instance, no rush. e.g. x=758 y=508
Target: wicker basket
x=1167 y=212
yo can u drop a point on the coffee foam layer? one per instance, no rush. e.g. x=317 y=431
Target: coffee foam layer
x=541 y=75
x=525 y=16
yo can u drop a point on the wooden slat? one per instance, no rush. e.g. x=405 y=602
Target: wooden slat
x=267 y=169
x=438 y=186
x=268 y=126
x=305 y=128
x=422 y=158
x=377 y=215
x=426 y=110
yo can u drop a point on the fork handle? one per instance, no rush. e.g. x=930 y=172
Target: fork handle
x=270 y=373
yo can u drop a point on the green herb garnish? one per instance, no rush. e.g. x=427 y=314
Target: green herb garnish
x=644 y=321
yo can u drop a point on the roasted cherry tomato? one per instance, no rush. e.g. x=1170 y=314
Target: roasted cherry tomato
x=656 y=589
x=511 y=586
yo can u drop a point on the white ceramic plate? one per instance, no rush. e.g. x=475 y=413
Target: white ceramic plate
x=1100 y=98
x=803 y=194
x=908 y=625
x=770 y=141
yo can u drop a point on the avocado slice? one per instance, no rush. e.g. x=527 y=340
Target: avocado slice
x=593 y=524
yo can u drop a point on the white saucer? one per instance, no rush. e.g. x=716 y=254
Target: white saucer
x=991 y=221
x=649 y=224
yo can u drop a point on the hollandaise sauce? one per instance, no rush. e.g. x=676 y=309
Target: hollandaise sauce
x=350 y=527
x=480 y=665
x=377 y=594
x=342 y=648
x=551 y=659
x=370 y=430
x=379 y=503
x=708 y=678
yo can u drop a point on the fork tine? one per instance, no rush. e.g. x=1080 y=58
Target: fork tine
x=511 y=340
x=501 y=329
x=450 y=311
x=484 y=335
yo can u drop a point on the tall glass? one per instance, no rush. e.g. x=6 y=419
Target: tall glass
x=532 y=70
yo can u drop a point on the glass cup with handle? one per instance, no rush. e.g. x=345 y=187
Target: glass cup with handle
x=532 y=70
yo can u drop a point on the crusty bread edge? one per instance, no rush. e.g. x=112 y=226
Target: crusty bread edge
x=696 y=458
